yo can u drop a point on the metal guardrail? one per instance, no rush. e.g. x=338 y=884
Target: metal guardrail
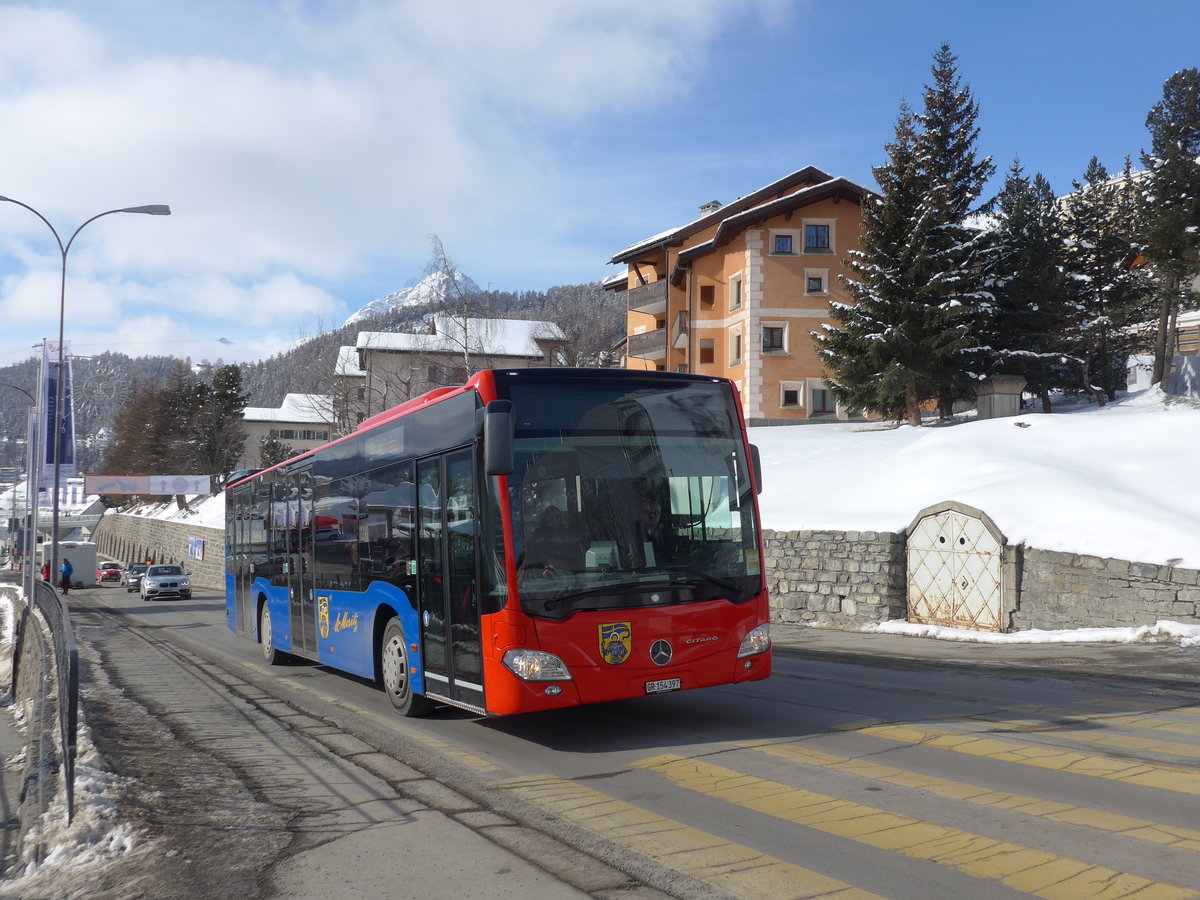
x=45 y=672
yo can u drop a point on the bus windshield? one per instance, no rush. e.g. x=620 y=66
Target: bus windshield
x=630 y=494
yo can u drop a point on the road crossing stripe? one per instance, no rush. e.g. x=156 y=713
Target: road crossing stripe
x=1092 y=736
x=1181 y=781
x=1144 y=706
x=732 y=868
x=1160 y=722
x=1023 y=869
x=1126 y=826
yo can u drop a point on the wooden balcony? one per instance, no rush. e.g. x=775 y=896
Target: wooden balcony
x=648 y=344
x=648 y=298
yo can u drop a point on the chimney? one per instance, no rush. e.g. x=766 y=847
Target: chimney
x=710 y=207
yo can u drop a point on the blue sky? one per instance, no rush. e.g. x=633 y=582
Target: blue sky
x=309 y=149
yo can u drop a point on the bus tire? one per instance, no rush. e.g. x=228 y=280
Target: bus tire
x=394 y=672
x=273 y=655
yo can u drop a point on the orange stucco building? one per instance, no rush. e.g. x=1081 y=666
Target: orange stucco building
x=737 y=292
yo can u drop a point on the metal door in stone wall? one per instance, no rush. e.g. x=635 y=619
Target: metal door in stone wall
x=954 y=572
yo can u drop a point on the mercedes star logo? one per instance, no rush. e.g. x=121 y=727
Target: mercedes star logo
x=660 y=653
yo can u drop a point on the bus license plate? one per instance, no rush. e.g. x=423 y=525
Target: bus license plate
x=658 y=687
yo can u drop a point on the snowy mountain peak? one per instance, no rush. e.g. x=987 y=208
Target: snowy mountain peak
x=433 y=289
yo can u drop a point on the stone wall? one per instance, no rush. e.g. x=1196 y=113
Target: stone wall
x=130 y=539
x=1070 y=590
x=846 y=579
x=835 y=579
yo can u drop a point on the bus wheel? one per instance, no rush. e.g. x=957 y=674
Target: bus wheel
x=271 y=654
x=394 y=666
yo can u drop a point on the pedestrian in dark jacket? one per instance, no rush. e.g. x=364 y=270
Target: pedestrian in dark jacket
x=67 y=571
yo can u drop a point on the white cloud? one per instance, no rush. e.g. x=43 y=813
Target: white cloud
x=349 y=136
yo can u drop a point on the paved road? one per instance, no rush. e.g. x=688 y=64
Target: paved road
x=869 y=766
x=224 y=791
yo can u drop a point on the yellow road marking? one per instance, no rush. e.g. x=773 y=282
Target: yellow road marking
x=1056 y=718
x=1067 y=813
x=1180 y=780
x=1145 y=706
x=1019 y=868
x=1122 y=741
x=736 y=870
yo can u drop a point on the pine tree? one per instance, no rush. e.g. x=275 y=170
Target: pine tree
x=1172 y=203
x=1024 y=327
x=953 y=180
x=917 y=283
x=218 y=425
x=871 y=354
x=272 y=451
x=1100 y=221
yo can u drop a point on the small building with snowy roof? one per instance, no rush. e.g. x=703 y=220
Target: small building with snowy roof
x=302 y=421
x=399 y=366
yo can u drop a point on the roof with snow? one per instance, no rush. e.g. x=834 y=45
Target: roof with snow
x=347 y=363
x=492 y=337
x=802 y=187
x=315 y=409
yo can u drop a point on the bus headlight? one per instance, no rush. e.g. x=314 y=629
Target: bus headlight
x=757 y=641
x=534 y=665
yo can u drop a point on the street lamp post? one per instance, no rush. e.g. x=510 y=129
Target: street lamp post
x=151 y=210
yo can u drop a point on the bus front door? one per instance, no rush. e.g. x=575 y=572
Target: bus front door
x=238 y=556
x=301 y=600
x=449 y=605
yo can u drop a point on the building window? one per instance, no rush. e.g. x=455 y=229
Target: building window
x=816 y=239
x=735 y=348
x=791 y=394
x=735 y=292
x=822 y=402
x=707 y=351
x=773 y=338
x=707 y=295
x=816 y=281
x=784 y=242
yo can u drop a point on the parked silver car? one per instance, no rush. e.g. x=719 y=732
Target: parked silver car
x=166 y=581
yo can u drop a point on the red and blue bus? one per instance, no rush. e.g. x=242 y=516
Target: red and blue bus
x=534 y=539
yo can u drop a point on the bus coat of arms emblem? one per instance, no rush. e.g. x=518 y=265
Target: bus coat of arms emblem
x=615 y=642
x=323 y=616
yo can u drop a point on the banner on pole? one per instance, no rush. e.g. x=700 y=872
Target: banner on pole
x=59 y=430
x=147 y=485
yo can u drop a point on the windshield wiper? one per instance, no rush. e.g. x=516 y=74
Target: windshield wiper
x=671 y=578
x=693 y=574
x=556 y=601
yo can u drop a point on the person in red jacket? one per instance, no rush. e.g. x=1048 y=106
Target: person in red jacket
x=45 y=571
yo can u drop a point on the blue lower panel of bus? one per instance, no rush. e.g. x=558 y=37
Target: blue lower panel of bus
x=346 y=626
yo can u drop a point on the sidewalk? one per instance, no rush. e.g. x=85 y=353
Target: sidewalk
x=1163 y=662
x=12 y=774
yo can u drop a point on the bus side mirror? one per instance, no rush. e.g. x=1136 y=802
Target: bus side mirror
x=498 y=438
x=756 y=462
